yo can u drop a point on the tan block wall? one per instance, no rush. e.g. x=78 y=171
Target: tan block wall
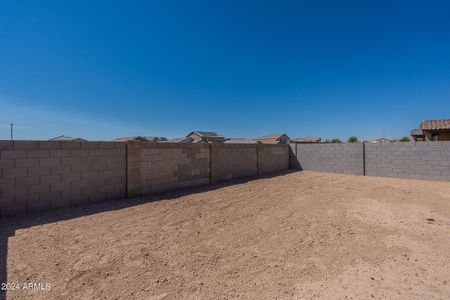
x=37 y=175
x=230 y=161
x=161 y=167
x=272 y=158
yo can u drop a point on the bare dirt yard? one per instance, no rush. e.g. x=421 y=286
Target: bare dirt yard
x=301 y=235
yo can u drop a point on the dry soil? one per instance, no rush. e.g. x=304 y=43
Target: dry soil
x=301 y=235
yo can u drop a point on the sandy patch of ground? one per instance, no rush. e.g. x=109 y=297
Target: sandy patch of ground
x=301 y=235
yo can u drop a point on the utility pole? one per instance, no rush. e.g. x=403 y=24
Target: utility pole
x=12 y=136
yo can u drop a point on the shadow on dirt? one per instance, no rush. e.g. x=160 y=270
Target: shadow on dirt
x=9 y=225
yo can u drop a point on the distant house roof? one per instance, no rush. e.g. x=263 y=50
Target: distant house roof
x=62 y=138
x=383 y=140
x=206 y=134
x=307 y=139
x=140 y=138
x=199 y=142
x=179 y=140
x=380 y=140
x=435 y=124
x=272 y=136
x=242 y=141
x=417 y=132
x=156 y=138
x=125 y=139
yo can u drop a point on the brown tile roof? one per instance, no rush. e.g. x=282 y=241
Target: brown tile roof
x=269 y=141
x=271 y=136
x=307 y=139
x=416 y=131
x=435 y=124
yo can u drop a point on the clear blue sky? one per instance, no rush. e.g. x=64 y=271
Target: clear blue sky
x=102 y=69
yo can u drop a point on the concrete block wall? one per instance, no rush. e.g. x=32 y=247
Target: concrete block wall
x=345 y=158
x=38 y=175
x=229 y=161
x=157 y=167
x=272 y=158
x=293 y=161
x=419 y=160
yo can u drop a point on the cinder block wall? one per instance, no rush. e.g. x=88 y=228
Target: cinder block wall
x=37 y=175
x=41 y=175
x=229 y=161
x=420 y=160
x=157 y=167
x=293 y=161
x=272 y=158
x=336 y=158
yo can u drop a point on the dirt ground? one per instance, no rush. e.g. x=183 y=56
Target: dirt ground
x=301 y=235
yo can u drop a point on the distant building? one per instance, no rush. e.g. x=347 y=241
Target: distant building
x=65 y=138
x=278 y=138
x=432 y=130
x=307 y=139
x=206 y=136
x=200 y=142
x=184 y=140
x=418 y=135
x=149 y=139
x=381 y=140
x=242 y=141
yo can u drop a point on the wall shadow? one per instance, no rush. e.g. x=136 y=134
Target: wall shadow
x=5 y=232
x=9 y=225
x=294 y=163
